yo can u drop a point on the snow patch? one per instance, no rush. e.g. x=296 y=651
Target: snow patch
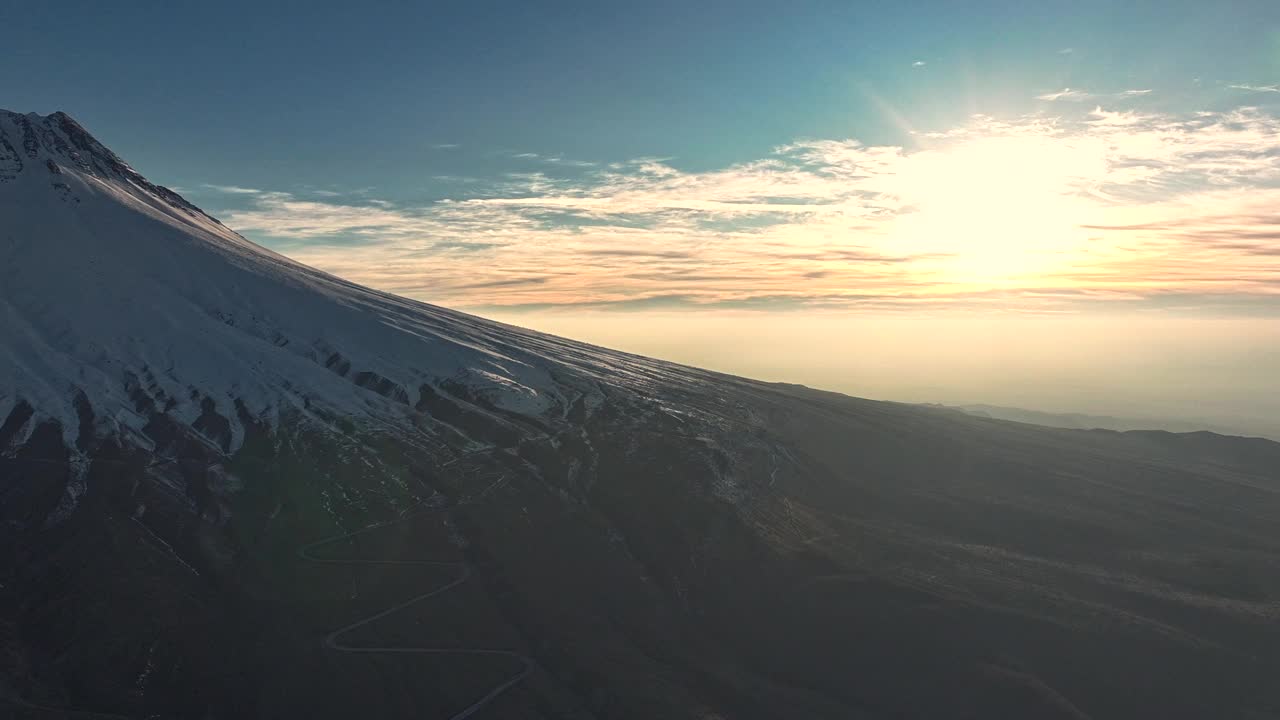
x=71 y=494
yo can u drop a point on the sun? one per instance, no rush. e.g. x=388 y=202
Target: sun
x=998 y=209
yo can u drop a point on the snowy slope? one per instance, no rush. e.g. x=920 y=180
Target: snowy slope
x=111 y=286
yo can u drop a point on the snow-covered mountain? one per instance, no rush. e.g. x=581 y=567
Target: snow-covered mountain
x=116 y=288
x=232 y=486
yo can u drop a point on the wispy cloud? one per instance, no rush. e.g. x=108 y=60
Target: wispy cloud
x=1076 y=95
x=284 y=215
x=553 y=159
x=1065 y=94
x=231 y=189
x=1089 y=206
x=918 y=63
x=1257 y=88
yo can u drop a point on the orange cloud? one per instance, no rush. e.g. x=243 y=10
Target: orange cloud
x=1032 y=213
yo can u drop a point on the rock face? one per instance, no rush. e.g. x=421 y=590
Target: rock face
x=234 y=486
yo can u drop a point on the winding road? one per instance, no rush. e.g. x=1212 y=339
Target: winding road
x=333 y=640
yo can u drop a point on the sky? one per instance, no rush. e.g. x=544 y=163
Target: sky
x=1060 y=206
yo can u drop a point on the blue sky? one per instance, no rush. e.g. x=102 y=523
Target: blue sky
x=356 y=94
x=516 y=155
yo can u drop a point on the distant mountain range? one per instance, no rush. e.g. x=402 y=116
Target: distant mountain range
x=1081 y=421
x=233 y=486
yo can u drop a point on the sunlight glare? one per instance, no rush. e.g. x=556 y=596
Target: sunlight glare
x=1002 y=208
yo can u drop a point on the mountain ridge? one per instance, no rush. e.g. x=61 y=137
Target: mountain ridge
x=86 y=181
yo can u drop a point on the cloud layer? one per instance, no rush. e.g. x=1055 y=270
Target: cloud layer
x=1040 y=213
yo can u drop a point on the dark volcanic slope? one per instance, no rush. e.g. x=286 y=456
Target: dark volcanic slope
x=232 y=486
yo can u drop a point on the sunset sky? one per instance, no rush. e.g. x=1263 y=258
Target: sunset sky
x=1084 y=186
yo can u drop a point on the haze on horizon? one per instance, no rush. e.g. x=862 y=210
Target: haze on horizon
x=1155 y=372
x=1012 y=205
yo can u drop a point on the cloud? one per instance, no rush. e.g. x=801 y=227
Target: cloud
x=506 y=282
x=462 y=246
x=1081 y=96
x=637 y=253
x=1066 y=51
x=1257 y=88
x=445 y=146
x=553 y=159
x=1065 y=94
x=570 y=163
x=1039 y=213
x=918 y=63
x=284 y=215
x=231 y=189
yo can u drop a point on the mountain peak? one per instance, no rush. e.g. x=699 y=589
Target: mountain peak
x=133 y=303
x=49 y=147
x=55 y=138
x=32 y=115
x=56 y=115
